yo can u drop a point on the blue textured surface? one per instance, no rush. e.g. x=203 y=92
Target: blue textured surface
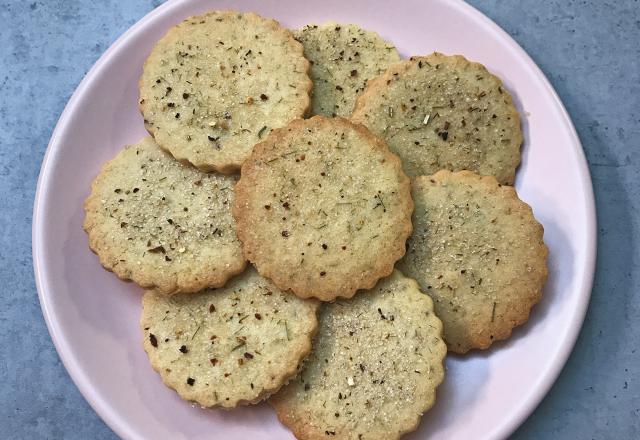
x=589 y=50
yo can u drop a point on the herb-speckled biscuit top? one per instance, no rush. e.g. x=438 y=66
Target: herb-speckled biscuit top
x=375 y=366
x=218 y=83
x=323 y=208
x=230 y=346
x=444 y=112
x=343 y=58
x=163 y=224
x=478 y=251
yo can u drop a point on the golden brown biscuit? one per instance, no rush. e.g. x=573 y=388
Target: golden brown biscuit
x=323 y=208
x=478 y=252
x=374 y=369
x=162 y=224
x=218 y=83
x=444 y=112
x=230 y=346
x=343 y=58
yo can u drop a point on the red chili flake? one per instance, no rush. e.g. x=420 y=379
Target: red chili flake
x=190 y=381
x=248 y=356
x=323 y=174
x=323 y=273
x=153 y=340
x=344 y=248
x=184 y=349
x=267 y=207
x=285 y=233
x=212 y=308
x=227 y=374
x=258 y=316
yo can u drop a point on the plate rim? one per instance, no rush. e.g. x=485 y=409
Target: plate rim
x=123 y=429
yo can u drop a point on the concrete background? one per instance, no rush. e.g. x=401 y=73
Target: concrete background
x=588 y=49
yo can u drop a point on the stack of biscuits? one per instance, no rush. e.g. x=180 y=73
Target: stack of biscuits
x=371 y=195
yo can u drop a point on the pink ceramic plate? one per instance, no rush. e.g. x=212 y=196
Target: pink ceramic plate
x=93 y=317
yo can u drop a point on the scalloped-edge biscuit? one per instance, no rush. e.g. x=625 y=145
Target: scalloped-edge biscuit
x=444 y=112
x=374 y=369
x=162 y=224
x=478 y=251
x=231 y=346
x=218 y=83
x=323 y=208
x=343 y=58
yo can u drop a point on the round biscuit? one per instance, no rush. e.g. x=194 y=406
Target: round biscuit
x=164 y=225
x=230 y=346
x=444 y=112
x=478 y=251
x=343 y=58
x=218 y=83
x=323 y=208
x=374 y=369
